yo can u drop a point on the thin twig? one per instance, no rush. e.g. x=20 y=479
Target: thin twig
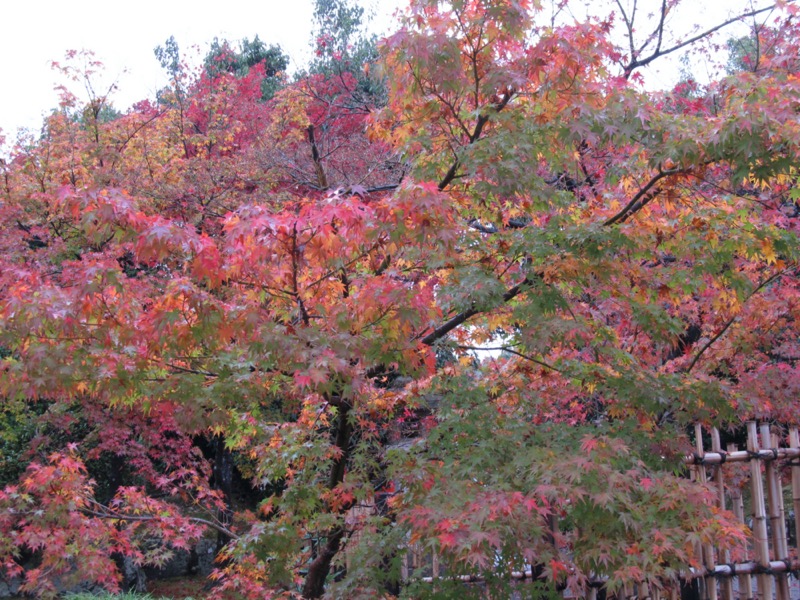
x=511 y=351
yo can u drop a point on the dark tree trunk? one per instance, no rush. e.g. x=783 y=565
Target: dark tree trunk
x=314 y=585
x=115 y=474
x=223 y=481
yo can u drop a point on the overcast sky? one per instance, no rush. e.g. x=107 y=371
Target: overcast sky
x=123 y=34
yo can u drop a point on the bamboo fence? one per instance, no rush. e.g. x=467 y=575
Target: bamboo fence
x=764 y=573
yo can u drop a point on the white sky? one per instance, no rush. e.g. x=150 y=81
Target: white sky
x=123 y=34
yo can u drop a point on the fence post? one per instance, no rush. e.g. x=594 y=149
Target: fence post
x=745 y=581
x=709 y=581
x=726 y=584
x=776 y=521
x=643 y=592
x=794 y=442
x=760 y=539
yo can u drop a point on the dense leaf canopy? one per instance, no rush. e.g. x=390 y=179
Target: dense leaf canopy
x=475 y=303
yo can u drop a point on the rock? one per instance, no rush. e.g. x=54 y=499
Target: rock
x=197 y=561
x=10 y=588
x=177 y=566
x=205 y=553
x=134 y=578
x=65 y=589
x=66 y=584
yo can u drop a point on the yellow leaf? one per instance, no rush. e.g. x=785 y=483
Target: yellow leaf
x=768 y=252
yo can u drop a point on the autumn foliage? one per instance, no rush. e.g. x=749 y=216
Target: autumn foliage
x=310 y=279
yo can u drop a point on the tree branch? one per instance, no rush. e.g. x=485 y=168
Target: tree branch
x=657 y=53
x=107 y=514
x=733 y=319
x=511 y=351
x=476 y=134
x=461 y=317
x=642 y=197
x=322 y=180
x=180 y=369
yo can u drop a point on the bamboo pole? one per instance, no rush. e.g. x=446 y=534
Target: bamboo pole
x=745 y=581
x=760 y=539
x=776 y=441
x=775 y=495
x=774 y=566
x=731 y=570
x=716 y=458
x=710 y=583
x=726 y=585
x=794 y=442
x=785 y=555
x=643 y=592
x=694 y=475
x=522 y=575
x=777 y=525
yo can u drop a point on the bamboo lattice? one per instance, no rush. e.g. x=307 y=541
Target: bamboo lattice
x=771 y=559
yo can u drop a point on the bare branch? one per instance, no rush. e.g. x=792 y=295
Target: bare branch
x=629 y=27
x=108 y=514
x=511 y=351
x=657 y=53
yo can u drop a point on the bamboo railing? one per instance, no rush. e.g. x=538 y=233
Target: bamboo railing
x=764 y=574
x=768 y=546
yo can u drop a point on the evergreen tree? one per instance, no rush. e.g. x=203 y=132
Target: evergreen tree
x=341 y=45
x=223 y=58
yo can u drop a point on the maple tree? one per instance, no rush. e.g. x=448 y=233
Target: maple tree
x=309 y=278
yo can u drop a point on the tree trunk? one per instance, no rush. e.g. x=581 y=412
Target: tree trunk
x=223 y=481
x=314 y=585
